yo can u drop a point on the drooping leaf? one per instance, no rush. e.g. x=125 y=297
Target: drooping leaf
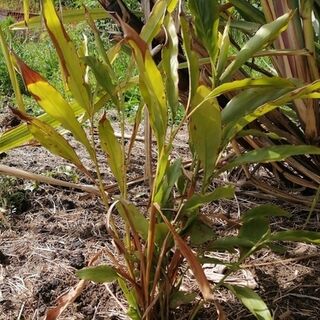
x=67 y=16
x=19 y=135
x=170 y=65
x=98 y=274
x=206 y=16
x=52 y=102
x=50 y=139
x=270 y=154
x=233 y=127
x=266 y=210
x=73 y=68
x=205 y=130
x=198 y=200
x=252 y=301
x=113 y=149
x=297 y=235
x=264 y=36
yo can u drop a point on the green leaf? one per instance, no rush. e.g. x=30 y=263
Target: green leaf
x=229 y=244
x=99 y=274
x=248 y=11
x=133 y=311
x=266 y=210
x=297 y=235
x=252 y=301
x=134 y=217
x=170 y=65
x=257 y=231
x=73 y=68
x=205 y=130
x=101 y=73
x=265 y=35
x=249 y=100
x=68 y=16
x=200 y=233
x=206 y=16
x=113 y=149
x=197 y=200
x=270 y=154
x=179 y=298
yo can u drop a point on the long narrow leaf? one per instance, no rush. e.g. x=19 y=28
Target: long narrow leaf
x=73 y=68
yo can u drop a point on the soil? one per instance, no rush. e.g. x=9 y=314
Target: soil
x=49 y=232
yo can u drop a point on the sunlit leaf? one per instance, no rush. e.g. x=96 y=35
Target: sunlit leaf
x=98 y=274
x=155 y=20
x=73 y=68
x=264 y=36
x=50 y=139
x=68 y=16
x=53 y=103
x=252 y=301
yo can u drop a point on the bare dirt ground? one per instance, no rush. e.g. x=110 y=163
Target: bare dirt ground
x=47 y=232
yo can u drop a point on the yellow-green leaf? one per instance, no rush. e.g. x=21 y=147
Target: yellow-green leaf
x=67 y=16
x=52 y=102
x=155 y=20
x=151 y=84
x=264 y=36
x=50 y=139
x=73 y=68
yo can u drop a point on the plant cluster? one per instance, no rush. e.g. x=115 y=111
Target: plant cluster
x=168 y=52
